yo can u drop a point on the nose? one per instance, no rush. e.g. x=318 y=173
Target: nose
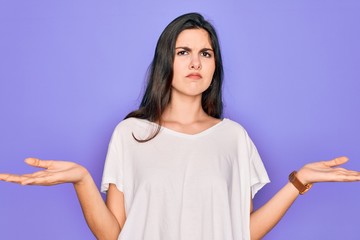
x=195 y=63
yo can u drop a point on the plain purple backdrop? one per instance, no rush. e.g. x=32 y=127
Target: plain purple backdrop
x=71 y=70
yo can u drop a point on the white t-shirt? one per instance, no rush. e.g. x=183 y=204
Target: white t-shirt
x=184 y=187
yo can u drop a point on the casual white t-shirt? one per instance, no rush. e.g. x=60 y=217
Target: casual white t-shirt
x=184 y=187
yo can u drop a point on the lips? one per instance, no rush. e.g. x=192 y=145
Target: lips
x=194 y=76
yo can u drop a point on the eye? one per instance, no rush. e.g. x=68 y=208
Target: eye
x=206 y=54
x=182 y=52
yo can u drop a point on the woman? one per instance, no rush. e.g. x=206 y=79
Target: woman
x=175 y=169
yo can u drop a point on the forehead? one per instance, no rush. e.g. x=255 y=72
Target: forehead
x=193 y=37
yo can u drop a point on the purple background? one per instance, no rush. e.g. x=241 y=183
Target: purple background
x=71 y=70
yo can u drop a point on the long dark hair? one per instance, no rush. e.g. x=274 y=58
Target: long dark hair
x=158 y=90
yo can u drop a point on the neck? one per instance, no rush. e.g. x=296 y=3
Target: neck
x=185 y=110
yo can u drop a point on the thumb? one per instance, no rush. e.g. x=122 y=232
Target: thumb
x=35 y=162
x=336 y=161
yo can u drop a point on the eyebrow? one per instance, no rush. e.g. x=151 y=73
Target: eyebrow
x=189 y=49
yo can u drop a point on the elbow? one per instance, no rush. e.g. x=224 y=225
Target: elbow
x=113 y=234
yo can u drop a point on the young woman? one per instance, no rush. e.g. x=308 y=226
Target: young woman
x=175 y=169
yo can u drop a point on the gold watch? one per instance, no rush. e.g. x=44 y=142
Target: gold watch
x=303 y=188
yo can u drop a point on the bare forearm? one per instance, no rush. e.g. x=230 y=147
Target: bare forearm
x=101 y=221
x=266 y=217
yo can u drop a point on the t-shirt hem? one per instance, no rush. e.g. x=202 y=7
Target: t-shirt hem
x=105 y=185
x=258 y=186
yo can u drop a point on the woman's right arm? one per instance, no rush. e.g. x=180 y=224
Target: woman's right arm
x=104 y=220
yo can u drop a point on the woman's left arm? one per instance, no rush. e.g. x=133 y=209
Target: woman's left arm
x=266 y=217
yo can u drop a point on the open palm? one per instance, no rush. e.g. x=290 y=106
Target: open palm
x=328 y=171
x=54 y=172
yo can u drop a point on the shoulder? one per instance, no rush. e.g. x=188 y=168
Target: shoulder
x=239 y=133
x=235 y=129
x=234 y=126
x=130 y=123
x=130 y=126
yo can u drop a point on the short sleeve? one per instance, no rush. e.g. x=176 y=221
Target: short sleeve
x=258 y=174
x=113 y=168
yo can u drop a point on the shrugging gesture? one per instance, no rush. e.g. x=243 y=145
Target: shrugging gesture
x=183 y=94
x=262 y=220
x=57 y=172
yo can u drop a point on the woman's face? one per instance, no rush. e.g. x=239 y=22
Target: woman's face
x=194 y=63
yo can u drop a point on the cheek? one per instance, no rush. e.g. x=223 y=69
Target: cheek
x=211 y=70
x=179 y=66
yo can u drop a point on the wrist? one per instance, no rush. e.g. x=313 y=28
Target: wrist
x=301 y=175
x=298 y=184
x=84 y=176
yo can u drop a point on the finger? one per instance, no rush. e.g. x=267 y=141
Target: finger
x=42 y=181
x=347 y=177
x=35 y=162
x=35 y=174
x=353 y=174
x=336 y=161
x=350 y=172
x=3 y=176
x=12 y=178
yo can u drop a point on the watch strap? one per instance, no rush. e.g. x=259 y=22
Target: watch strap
x=302 y=188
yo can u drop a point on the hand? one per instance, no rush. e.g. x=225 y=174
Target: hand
x=327 y=171
x=55 y=172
